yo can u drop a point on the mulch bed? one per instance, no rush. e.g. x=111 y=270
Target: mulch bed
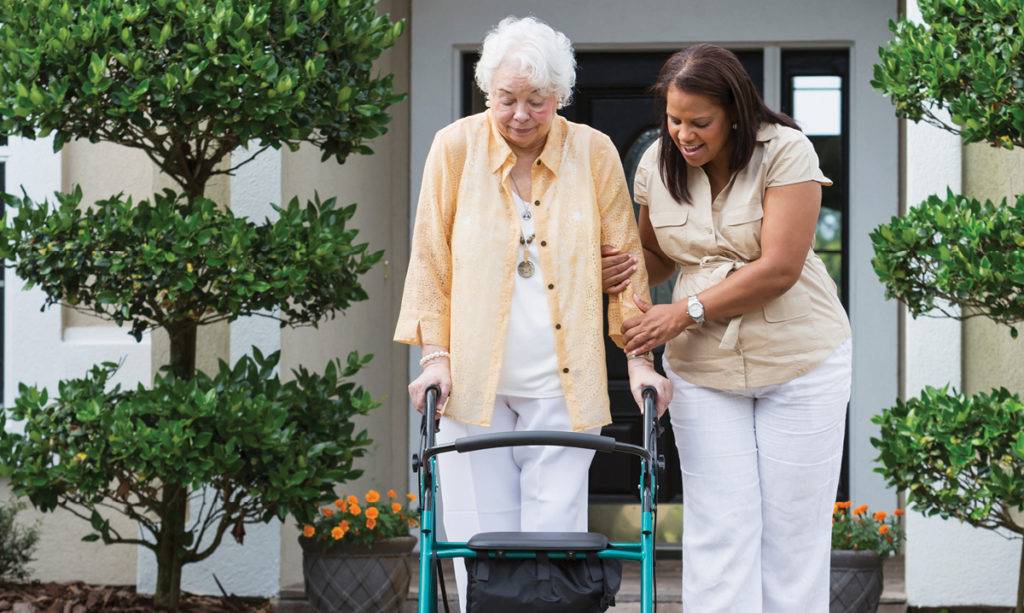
x=84 y=598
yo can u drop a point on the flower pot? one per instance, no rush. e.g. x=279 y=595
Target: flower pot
x=855 y=584
x=342 y=577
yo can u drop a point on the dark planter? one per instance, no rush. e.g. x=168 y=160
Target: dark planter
x=344 y=578
x=856 y=581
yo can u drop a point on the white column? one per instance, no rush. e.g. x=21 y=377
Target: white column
x=948 y=563
x=253 y=568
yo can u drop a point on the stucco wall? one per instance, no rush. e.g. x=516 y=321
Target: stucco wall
x=380 y=185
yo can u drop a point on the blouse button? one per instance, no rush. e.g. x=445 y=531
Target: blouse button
x=551 y=286
x=536 y=203
x=558 y=326
x=565 y=370
x=538 y=162
x=543 y=243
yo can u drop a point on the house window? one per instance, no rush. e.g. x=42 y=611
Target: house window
x=815 y=94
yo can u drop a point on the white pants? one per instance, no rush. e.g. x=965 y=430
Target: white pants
x=760 y=471
x=512 y=489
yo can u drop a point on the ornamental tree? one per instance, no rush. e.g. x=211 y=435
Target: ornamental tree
x=188 y=82
x=962 y=70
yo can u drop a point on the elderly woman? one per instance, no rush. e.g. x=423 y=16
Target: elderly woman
x=758 y=343
x=503 y=292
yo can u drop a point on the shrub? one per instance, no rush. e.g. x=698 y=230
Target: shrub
x=17 y=544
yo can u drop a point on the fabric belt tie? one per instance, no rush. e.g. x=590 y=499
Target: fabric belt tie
x=713 y=269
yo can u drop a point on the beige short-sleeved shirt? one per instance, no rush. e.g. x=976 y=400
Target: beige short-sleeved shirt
x=708 y=239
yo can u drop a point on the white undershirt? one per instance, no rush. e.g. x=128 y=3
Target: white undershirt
x=529 y=368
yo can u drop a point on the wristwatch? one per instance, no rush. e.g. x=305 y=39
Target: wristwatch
x=695 y=309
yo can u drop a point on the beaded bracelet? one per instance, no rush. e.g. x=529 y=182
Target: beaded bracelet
x=430 y=357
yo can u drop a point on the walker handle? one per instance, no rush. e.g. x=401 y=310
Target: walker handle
x=579 y=440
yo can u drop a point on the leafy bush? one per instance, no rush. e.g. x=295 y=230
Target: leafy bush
x=262 y=447
x=188 y=83
x=172 y=262
x=17 y=544
x=966 y=59
x=955 y=250
x=958 y=456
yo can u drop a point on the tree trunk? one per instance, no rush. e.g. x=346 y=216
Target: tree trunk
x=171 y=547
x=183 y=349
x=171 y=538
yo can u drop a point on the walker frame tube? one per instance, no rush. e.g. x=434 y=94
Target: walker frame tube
x=642 y=551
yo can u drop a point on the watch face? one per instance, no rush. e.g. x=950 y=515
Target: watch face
x=695 y=310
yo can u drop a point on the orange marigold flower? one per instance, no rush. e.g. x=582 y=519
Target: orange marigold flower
x=308 y=531
x=352 y=500
x=372 y=496
x=880 y=515
x=327 y=512
x=337 y=533
x=355 y=510
x=344 y=525
x=372 y=513
x=411 y=497
x=340 y=503
x=862 y=509
x=845 y=505
x=392 y=494
x=371 y=523
x=898 y=512
x=883 y=529
x=396 y=507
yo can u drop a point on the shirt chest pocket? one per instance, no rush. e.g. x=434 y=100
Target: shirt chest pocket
x=670 y=227
x=740 y=227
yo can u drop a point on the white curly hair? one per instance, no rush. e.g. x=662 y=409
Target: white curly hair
x=542 y=54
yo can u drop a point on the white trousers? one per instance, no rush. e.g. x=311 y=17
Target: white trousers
x=512 y=489
x=760 y=472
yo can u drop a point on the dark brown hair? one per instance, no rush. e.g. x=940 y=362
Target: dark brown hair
x=714 y=72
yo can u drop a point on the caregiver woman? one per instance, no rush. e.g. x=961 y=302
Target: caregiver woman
x=758 y=344
x=504 y=288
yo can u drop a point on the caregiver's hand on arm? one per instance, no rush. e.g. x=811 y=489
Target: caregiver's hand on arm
x=435 y=372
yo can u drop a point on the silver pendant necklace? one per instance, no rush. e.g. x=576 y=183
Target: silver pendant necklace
x=526 y=267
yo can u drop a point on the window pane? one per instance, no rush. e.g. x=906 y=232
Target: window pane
x=817 y=104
